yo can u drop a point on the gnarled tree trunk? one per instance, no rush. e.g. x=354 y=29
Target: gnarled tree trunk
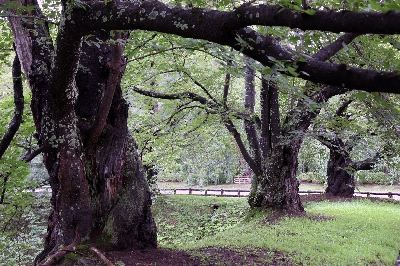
x=278 y=187
x=341 y=168
x=99 y=191
x=340 y=176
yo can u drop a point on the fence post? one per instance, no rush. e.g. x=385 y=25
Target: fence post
x=239 y=193
x=222 y=192
x=174 y=191
x=190 y=191
x=205 y=192
x=368 y=195
x=390 y=195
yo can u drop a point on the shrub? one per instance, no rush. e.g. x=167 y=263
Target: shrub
x=373 y=178
x=312 y=177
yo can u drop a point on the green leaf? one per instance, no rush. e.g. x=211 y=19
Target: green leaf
x=310 y=12
x=297 y=8
x=361 y=95
x=292 y=71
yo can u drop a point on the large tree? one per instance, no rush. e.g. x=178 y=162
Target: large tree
x=376 y=121
x=341 y=166
x=99 y=192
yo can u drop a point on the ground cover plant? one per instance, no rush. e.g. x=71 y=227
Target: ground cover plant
x=196 y=230
x=181 y=219
x=355 y=232
x=22 y=228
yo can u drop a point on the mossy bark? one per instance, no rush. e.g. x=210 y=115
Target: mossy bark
x=277 y=188
x=100 y=195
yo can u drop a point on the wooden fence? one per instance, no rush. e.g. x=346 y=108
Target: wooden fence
x=244 y=193
x=242 y=180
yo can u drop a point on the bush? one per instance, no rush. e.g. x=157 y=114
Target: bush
x=312 y=177
x=369 y=177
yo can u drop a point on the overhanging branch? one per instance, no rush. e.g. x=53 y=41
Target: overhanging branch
x=229 y=27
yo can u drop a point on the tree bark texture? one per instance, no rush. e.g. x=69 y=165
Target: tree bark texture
x=18 y=110
x=274 y=163
x=99 y=191
x=277 y=187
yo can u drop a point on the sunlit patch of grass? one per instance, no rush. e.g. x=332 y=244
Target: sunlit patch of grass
x=332 y=233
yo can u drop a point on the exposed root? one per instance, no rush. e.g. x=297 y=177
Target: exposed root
x=101 y=256
x=63 y=252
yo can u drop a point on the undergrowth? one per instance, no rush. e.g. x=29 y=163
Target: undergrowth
x=22 y=228
x=181 y=219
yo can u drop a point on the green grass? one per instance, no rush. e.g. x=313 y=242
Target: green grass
x=342 y=233
x=181 y=219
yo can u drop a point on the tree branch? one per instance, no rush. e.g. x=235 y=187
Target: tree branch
x=367 y=164
x=263 y=15
x=18 y=110
x=176 y=96
x=171 y=49
x=328 y=51
x=249 y=125
x=226 y=86
x=101 y=256
x=330 y=144
x=116 y=70
x=253 y=164
x=342 y=108
x=201 y=86
x=229 y=29
x=29 y=157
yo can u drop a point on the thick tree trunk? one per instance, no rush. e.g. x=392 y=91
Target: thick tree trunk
x=278 y=187
x=99 y=191
x=341 y=168
x=340 y=176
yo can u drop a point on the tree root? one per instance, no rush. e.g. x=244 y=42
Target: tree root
x=63 y=252
x=101 y=256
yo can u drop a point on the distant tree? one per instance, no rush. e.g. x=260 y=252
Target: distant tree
x=342 y=166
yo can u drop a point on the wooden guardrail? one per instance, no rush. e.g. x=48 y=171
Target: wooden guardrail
x=242 y=180
x=243 y=193
x=207 y=192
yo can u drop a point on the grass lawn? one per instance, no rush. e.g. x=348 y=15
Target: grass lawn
x=358 y=232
